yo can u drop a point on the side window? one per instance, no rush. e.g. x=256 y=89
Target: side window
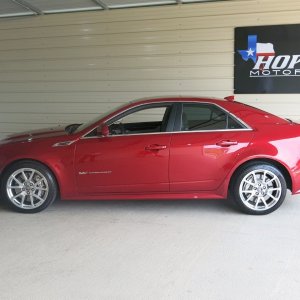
x=145 y=120
x=233 y=124
x=206 y=117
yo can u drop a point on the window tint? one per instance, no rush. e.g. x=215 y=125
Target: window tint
x=147 y=120
x=206 y=117
x=233 y=124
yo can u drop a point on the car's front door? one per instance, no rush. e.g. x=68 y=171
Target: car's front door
x=134 y=158
x=205 y=147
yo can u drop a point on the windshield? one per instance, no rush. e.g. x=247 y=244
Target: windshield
x=98 y=118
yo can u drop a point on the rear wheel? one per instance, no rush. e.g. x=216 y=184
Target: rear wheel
x=28 y=187
x=258 y=189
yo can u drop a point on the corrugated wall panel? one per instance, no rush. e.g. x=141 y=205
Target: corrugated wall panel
x=91 y=63
x=120 y=50
x=177 y=86
x=120 y=74
x=64 y=68
x=117 y=39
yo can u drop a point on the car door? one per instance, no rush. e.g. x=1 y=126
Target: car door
x=205 y=147
x=133 y=158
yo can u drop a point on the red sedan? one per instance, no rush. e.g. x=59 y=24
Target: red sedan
x=166 y=148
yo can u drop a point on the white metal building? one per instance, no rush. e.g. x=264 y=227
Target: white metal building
x=69 y=67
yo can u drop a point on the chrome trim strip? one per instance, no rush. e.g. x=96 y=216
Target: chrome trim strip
x=248 y=128
x=170 y=132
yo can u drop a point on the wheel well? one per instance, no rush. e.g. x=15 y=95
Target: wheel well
x=274 y=163
x=34 y=161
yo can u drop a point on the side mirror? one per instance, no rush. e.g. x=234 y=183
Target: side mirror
x=104 y=130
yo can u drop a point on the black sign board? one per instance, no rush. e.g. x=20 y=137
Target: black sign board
x=267 y=59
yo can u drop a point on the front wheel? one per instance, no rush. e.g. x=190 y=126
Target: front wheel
x=28 y=187
x=258 y=189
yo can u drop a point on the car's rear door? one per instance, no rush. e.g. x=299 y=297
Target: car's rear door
x=205 y=147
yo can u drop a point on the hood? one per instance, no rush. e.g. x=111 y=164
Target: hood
x=37 y=134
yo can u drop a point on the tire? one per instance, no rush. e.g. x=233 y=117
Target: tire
x=28 y=187
x=258 y=189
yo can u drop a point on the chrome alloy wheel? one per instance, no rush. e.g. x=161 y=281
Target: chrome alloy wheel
x=260 y=190
x=27 y=188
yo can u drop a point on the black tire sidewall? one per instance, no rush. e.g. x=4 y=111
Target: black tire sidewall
x=52 y=193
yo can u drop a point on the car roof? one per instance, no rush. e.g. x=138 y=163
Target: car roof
x=250 y=115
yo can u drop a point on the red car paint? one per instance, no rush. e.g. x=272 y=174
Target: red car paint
x=168 y=165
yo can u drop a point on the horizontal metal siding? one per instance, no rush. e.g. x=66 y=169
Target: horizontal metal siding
x=64 y=68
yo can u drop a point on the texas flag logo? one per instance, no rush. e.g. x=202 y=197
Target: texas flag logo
x=256 y=49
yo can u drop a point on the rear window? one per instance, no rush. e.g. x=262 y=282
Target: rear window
x=206 y=117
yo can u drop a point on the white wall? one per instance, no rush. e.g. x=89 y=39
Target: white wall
x=63 y=68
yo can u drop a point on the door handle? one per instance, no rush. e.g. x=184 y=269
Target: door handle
x=155 y=147
x=226 y=143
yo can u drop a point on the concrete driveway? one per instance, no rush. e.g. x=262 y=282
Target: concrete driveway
x=150 y=250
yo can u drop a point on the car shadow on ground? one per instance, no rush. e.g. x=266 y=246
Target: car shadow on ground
x=204 y=205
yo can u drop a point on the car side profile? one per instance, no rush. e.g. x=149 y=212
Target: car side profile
x=162 y=148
